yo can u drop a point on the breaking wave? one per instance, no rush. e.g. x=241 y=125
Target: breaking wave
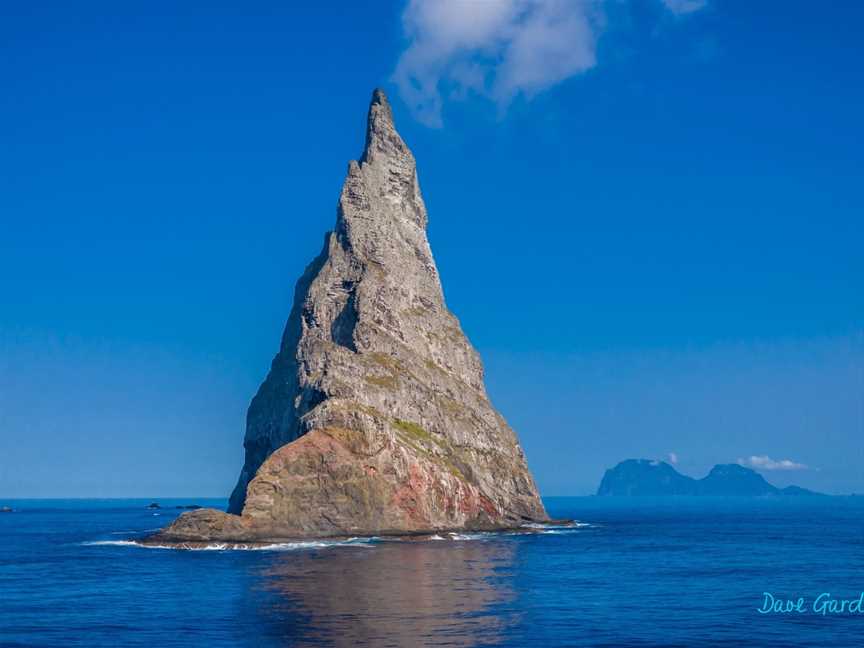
x=224 y=546
x=526 y=529
x=567 y=526
x=462 y=537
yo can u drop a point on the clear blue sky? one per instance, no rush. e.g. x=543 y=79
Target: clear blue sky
x=653 y=236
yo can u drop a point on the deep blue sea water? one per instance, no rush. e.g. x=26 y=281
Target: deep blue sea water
x=643 y=572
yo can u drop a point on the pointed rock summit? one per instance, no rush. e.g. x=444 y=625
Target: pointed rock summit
x=374 y=418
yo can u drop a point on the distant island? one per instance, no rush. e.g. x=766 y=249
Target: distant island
x=646 y=477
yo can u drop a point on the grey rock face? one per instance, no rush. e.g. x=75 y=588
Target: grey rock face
x=374 y=416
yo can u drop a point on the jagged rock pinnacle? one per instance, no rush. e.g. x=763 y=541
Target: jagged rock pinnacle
x=379 y=108
x=374 y=416
x=381 y=135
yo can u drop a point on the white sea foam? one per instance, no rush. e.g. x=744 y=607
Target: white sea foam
x=132 y=532
x=367 y=542
x=553 y=531
x=462 y=537
x=111 y=543
x=221 y=546
x=569 y=526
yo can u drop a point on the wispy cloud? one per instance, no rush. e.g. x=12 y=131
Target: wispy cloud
x=680 y=7
x=498 y=49
x=764 y=462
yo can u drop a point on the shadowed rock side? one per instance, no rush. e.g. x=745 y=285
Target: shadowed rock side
x=374 y=417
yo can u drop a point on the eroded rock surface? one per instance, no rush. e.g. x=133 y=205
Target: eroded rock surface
x=374 y=417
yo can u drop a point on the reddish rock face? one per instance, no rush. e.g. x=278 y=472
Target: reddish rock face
x=330 y=482
x=374 y=417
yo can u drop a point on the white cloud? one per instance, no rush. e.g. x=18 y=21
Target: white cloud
x=765 y=462
x=673 y=458
x=497 y=48
x=680 y=7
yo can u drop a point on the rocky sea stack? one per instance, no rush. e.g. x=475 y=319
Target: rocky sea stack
x=374 y=418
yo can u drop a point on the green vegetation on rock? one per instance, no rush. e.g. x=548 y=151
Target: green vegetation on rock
x=388 y=382
x=419 y=439
x=413 y=430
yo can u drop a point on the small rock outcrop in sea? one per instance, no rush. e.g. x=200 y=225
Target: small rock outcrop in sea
x=374 y=417
x=658 y=478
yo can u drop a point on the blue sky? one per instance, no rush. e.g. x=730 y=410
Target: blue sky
x=647 y=216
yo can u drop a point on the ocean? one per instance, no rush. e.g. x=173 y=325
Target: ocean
x=634 y=572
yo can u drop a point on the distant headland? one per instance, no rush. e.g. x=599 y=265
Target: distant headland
x=646 y=477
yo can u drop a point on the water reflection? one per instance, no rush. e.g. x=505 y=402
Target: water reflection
x=393 y=594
